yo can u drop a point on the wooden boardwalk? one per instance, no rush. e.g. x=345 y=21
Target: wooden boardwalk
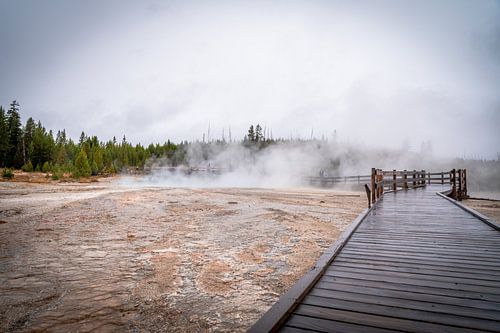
x=416 y=263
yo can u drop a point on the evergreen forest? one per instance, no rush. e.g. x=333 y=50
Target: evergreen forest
x=31 y=147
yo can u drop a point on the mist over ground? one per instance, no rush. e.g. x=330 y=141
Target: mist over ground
x=288 y=163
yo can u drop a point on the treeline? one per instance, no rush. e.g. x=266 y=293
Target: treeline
x=32 y=148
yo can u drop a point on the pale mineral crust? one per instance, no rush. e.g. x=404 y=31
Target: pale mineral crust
x=107 y=258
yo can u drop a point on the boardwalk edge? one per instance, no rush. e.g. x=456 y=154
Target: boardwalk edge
x=280 y=311
x=492 y=223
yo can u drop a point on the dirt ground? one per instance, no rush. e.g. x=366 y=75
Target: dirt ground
x=107 y=257
x=490 y=208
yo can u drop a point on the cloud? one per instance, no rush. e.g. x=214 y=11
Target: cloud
x=378 y=73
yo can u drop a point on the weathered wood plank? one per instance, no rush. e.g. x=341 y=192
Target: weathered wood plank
x=386 y=322
x=409 y=294
x=430 y=276
x=445 y=265
x=396 y=309
x=327 y=281
x=309 y=324
x=481 y=241
x=465 y=246
x=457 y=286
x=417 y=263
x=426 y=250
x=457 y=260
x=419 y=269
x=434 y=307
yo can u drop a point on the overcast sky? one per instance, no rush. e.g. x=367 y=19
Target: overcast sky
x=383 y=73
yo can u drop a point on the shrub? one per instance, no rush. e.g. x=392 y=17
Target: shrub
x=57 y=173
x=7 y=173
x=95 y=169
x=28 y=167
x=46 y=167
x=82 y=165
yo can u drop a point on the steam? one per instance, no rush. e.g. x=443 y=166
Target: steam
x=290 y=163
x=236 y=165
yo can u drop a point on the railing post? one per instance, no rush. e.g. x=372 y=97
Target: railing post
x=442 y=178
x=373 y=187
x=413 y=176
x=394 y=183
x=405 y=177
x=381 y=182
x=453 y=181
x=423 y=177
x=460 y=179
x=368 y=194
x=465 y=184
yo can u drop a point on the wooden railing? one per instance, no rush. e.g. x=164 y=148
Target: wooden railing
x=388 y=181
x=331 y=181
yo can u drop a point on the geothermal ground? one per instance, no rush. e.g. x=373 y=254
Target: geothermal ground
x=109 y=257
x=490 y=208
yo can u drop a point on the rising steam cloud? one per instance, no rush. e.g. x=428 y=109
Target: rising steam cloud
x=289 y=163
x=235 y=165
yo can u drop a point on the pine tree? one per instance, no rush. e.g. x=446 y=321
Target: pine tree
x=4 y=138
x=82 y=165
x=258 y=133
x=61 y=137
x=29 y=131
x=251 y=134
x=38 y=150
x=18 y=160
x=82 y=138
x=97 y=163
x=15 y=135
x=60 y=156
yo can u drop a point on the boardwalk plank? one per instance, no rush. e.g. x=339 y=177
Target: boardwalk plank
x=463 y=246
x=414 y=281
x=379 y=321
x=308 y=324
x=418 y=269
x=434 y=307
x=416 y=263
x=436 y=235
x=389 y=309
x=419 y=276
x=474 y=295
x=443 y=259
x=421 y=262
x=410 y=248
x=414 y=294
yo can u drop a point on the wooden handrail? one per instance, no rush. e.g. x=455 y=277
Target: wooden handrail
x=382 y=181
